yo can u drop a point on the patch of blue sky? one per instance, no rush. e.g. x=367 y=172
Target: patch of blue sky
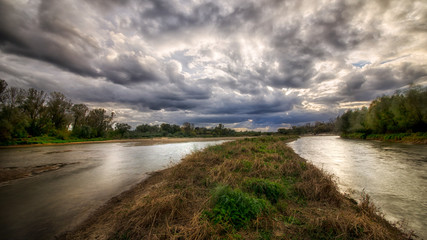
x=361 y=63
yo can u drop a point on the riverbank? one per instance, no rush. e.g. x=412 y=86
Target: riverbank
x=416 y=138
x=139 y=142
x=13 y=173
x=246 y=189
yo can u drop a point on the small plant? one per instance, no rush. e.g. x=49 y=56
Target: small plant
x=264 y=235
x=262 y=187
x=120 y=236
x=292 y=220
x=247 y=166
x=234 y=207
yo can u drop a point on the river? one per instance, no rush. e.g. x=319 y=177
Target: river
x=45 y=205
x=393 y=174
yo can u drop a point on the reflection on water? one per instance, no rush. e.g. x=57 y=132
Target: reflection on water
x=43 y=206
x=393 y=174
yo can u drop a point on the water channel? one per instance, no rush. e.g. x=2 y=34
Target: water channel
x=393 y=174
x=45 y=205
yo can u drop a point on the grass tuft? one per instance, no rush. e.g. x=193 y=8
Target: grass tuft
x=234 y=207
x=262 y=187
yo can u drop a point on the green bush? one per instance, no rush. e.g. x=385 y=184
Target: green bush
x=262 y=187
x=234 y=208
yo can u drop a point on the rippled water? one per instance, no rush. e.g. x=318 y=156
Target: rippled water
x=393 y=174
x=45 y=205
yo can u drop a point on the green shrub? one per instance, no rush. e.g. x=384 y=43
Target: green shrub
x=234 y=207
x=262 y=187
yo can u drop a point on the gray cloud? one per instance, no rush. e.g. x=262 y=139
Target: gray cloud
x=270 y=62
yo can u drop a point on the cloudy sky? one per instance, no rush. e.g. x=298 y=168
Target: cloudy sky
x=258 y=64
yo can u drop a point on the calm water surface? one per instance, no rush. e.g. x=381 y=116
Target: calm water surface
x=393 y=174
x=45 y=205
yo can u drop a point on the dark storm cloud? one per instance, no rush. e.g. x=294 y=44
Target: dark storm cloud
x=126 y=69
x=332 y=26
x=165 y=17
x=247 y=63
x=354 y=82
x=107 y=4
x=370 y=83
x=46 y=37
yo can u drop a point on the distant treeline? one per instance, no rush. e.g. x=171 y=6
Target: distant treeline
x=309 y=128
x=33 y=113
x=186 y=130
x=402 y=112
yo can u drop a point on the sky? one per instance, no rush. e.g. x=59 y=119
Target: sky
x=257 y=65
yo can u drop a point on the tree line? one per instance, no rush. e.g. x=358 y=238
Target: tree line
x=32 y=113
x=185 y=130
x=310 y=128
x=402 y=112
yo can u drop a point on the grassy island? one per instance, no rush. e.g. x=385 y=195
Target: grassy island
x=254 y=188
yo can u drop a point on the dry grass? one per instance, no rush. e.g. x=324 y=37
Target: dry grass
x=176 y=203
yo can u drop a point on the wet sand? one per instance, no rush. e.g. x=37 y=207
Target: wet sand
x=12 y=173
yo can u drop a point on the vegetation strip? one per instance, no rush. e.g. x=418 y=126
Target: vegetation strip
x=254 y=188
x=401 y=117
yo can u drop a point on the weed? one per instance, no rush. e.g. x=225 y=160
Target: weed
x=234 y=207
x=366 y=206
x=247 y=166
x=120 y=236
x=262 y=187
x=292 y=220
x=264 y=235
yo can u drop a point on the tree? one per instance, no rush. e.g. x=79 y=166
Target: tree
x=99 y=122
x=343 y=122
x=35 y=109
x=58 y=108
x=122 y=129
x=12 y=119
x=187 y=128
x=3 y=87
x=79 y=113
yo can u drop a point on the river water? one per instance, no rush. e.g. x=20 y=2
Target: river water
x=393 y=174
x=43 y=206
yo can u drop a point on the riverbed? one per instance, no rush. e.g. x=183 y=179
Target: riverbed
x=43 y=206
x=393 y=174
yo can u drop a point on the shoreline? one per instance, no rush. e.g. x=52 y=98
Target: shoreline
x=140 y=141
x=166 y=201
x=414 y=138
